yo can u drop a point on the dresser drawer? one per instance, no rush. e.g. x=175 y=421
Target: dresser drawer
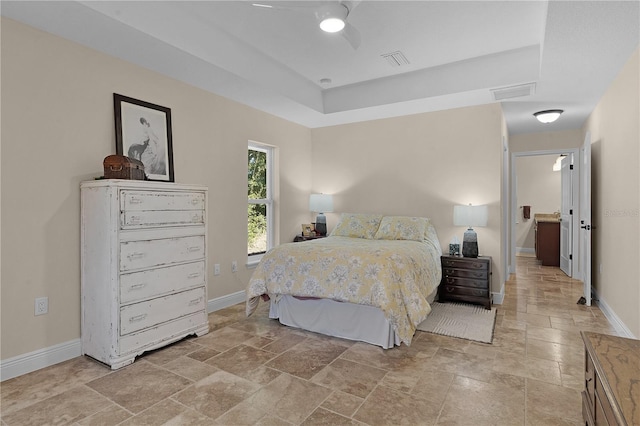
x=449 y=290
x=131 y=200
x=153 y=337
x=466 y=273
x=589 y=380
x=465 y=263
x=465 y=282
x=150 y=253
x=159 y=218
x=156 y=282
x=162 y=309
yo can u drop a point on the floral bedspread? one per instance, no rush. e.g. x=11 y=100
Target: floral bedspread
x=393 y=275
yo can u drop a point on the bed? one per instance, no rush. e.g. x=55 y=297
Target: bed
x=371 y=280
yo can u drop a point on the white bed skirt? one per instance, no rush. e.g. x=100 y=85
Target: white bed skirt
x=339 y=319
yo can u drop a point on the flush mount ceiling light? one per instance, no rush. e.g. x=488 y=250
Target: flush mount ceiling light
x=332 y=17
x=548 y=116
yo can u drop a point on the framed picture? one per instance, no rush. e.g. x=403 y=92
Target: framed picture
x=143 y=132
x=306 y=229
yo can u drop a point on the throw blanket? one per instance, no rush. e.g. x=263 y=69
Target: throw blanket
x=393 y=275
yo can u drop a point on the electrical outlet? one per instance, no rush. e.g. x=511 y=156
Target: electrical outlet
x=42 y=305
x=216 y=269
x=234 y=266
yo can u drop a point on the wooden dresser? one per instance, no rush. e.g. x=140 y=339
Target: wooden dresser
x=612 y=380
x=466 y=279
x=143 y=267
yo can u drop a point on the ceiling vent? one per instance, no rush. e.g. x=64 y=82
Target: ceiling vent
x=396 y=59
x=514 y=91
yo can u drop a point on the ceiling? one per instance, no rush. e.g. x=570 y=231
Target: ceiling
x=548 y=55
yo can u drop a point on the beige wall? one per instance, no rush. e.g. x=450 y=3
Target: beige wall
x=538 y=186
x=544 y=141
x=614 y=126
x=57 y=126
x=420 y=165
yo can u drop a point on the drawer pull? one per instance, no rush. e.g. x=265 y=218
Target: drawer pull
x=135 y=218
x=450 y=280
x=193 y=249
x=193 y=275
x=196 y=217
x=450 y=289
x=138 y=318
x=478 y=265
x=194 y=201
x=195 y=301
x=134 y=256
x=448 y=271
x=135 y=201
x=138 y=286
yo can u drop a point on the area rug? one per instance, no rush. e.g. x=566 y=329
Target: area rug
x=471 y=322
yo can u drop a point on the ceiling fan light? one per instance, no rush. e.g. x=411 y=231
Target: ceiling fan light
x=332 y=25
x=548 y=116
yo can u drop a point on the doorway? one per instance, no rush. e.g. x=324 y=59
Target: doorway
x=549 y=196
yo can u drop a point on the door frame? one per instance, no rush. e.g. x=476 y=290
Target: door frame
x=575 y=190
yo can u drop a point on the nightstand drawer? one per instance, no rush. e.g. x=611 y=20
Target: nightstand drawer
x=464 y=282
x=465 y=263
x=466 y=273
x=449 y=290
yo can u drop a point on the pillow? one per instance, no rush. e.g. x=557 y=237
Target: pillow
x=431 y=235
x=356 y=225
x=401 y=228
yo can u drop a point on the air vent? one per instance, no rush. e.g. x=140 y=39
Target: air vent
x=396 y=59
x=514 y=91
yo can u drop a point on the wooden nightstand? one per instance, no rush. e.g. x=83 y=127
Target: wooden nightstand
x=466 y=279
x=301 y=237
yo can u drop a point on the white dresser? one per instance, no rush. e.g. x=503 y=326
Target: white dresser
x=144 y=267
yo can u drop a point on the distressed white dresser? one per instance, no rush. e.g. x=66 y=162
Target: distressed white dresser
x=144 y=267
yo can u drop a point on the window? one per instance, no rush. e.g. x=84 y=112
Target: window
x=260 y=208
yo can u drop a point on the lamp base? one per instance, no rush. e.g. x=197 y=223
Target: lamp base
x=321 y=224
x=470 y=243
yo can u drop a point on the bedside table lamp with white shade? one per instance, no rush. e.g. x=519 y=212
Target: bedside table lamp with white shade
x=470 y=216
x=321 y=203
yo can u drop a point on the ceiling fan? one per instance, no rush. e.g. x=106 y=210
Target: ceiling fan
x=331 y=16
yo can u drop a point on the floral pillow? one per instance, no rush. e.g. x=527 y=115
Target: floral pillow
x=356 y=225
x=402 y=228
x=431 y=235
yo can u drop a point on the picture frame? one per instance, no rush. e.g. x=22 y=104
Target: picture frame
x=306 y=229
x=143 y=132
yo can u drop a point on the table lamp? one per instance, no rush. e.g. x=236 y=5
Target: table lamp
x=321 y=203
x=470 y=216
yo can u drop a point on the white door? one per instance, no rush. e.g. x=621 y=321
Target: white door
x=566 y=215
x=585 y=217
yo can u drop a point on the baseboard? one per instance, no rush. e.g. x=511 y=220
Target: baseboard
x=32 y=361
x=529 y=252
x=41 y=358
x=225 y=301
x=498 y=297
x=615 y=321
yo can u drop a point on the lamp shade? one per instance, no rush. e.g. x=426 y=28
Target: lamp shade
x=321 y=203
x=470 y=215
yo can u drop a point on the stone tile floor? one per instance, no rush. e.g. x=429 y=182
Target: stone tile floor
x=255 y=371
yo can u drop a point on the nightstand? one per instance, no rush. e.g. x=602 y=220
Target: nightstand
x=301 y=237
x=466 y=279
